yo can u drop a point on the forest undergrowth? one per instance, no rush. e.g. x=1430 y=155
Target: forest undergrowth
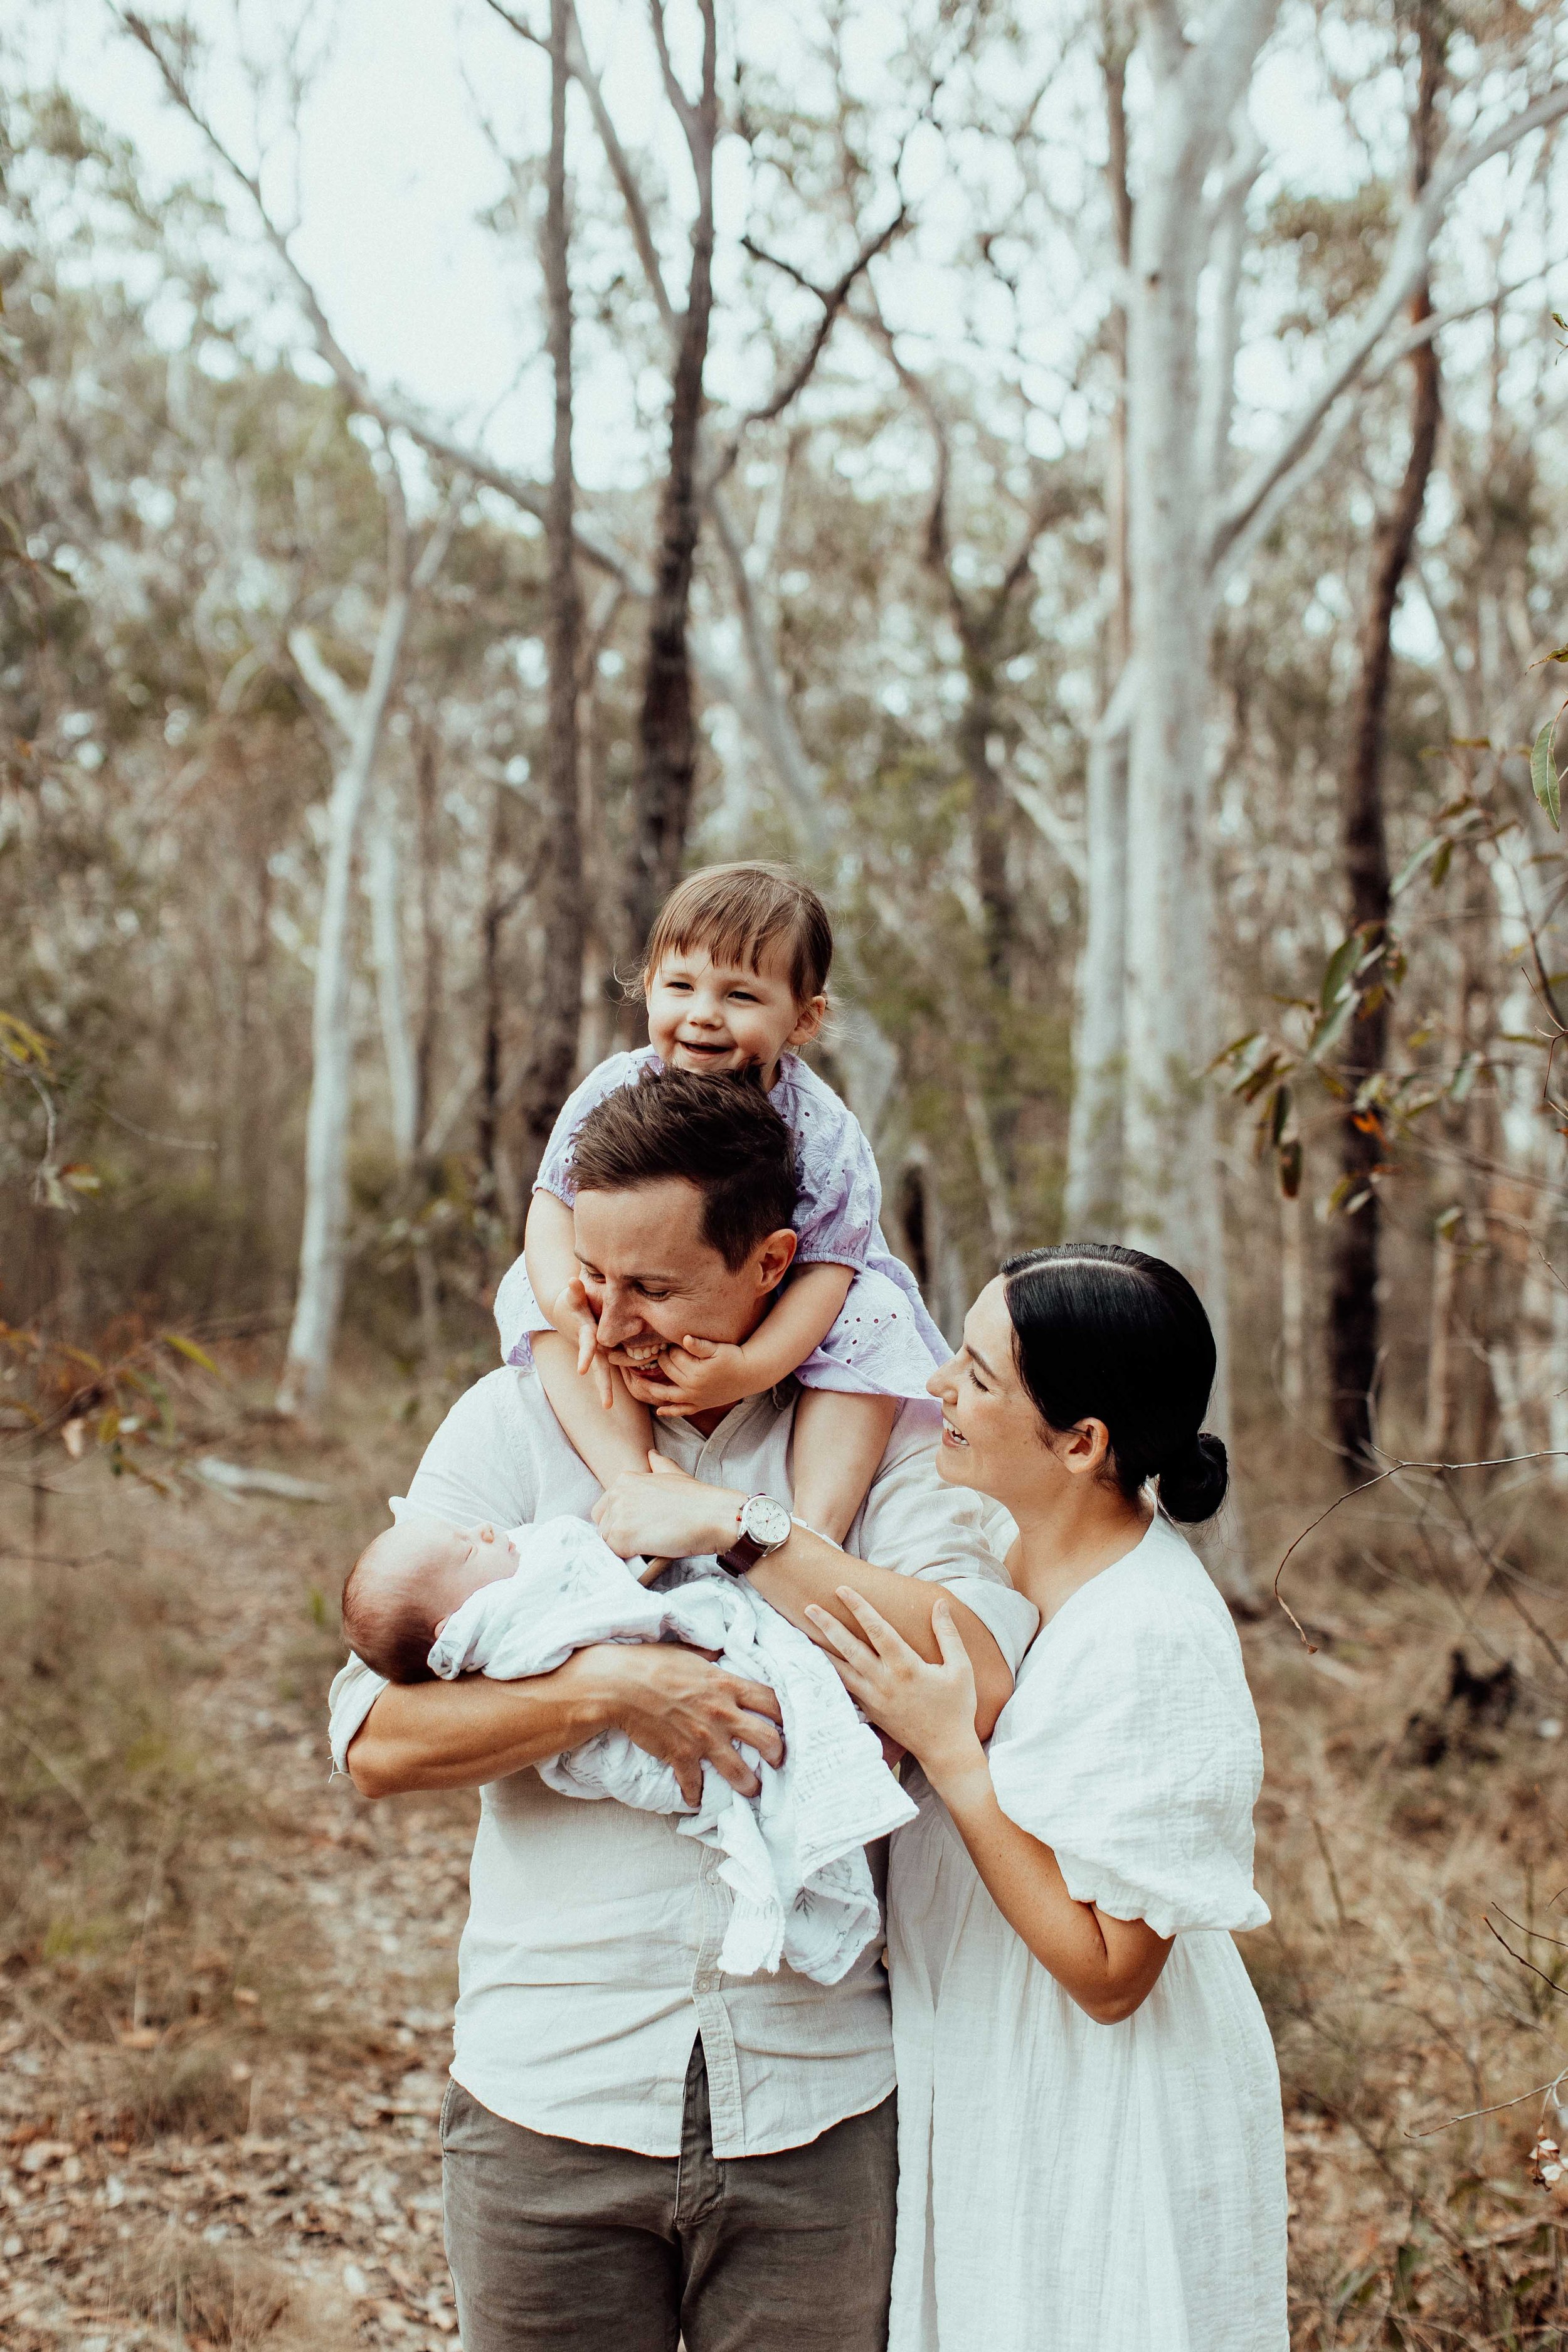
x=226 y=1982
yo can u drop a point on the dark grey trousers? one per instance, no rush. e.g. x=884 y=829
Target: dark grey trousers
x=553 y=2243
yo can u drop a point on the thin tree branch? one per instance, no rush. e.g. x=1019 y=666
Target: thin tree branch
x=1407 y=266
x=390 y=413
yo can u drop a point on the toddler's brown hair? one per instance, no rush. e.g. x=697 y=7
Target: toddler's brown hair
x=737 y=911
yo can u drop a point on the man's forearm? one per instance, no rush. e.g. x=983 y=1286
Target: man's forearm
x=807 y=1569
x=459 y=1734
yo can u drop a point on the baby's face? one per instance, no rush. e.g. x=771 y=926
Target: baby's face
x=463 y=1561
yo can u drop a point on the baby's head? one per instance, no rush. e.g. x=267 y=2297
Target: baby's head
x=403 y=1588
x=737 y=970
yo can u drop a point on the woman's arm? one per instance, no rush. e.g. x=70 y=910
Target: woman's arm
x=671 y=1514
x=1108 y=1966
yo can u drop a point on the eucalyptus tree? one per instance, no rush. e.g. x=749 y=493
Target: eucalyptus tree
x=1195 y=517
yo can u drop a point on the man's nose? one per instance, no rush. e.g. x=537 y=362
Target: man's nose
x=618 y=1318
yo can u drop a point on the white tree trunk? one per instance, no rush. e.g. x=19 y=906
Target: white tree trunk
x=319 y=1298
x=1171 y=1195
x=1092 y=1206
x=383 y=888
x=1293 y=1304
x=1557 y=1378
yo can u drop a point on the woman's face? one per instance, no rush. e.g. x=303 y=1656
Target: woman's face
x=992 y=1435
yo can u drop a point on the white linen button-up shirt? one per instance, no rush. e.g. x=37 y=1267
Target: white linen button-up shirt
x=589 y=1962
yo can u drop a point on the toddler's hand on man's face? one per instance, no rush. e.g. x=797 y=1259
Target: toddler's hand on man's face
x=701 y=1376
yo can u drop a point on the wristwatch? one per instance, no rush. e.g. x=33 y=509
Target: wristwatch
x=764 y=1526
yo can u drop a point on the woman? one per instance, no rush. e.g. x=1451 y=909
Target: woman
x=1090 y=2149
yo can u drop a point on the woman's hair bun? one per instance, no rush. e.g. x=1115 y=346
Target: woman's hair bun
x=1194 y=1486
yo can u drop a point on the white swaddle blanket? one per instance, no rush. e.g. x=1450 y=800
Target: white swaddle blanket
x=793 y=1856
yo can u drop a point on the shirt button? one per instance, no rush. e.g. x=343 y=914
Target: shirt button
x=702 y=1981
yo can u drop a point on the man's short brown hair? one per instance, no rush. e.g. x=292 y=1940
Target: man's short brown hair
x=720 y=1134
x=739 y=912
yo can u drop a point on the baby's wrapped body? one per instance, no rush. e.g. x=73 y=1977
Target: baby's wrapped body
x=793 y=1856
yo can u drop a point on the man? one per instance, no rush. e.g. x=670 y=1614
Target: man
x=636 y=2148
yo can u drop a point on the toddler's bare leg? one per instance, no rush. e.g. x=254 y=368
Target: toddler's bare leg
x=839 y=1439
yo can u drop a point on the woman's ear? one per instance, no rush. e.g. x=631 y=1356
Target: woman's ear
x=811 y=1016
x=1083 y=1449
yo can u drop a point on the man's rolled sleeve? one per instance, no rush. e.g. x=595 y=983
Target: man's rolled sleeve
x=356 y=1689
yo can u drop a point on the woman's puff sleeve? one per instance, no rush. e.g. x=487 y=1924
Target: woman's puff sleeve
x=1132 y=1749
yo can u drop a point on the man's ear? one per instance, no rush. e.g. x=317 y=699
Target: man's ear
x=774 y=1258
x=813 y=1013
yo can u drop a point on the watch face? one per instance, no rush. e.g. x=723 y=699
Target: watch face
x=765 y=1521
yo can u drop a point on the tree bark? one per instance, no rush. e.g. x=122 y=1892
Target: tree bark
x=319 y=1298
x=384 y=889
x=1354 y=1321
x=552 y=1058
x=1172 y=1193
x=431 y=946
x=1092 y=1207
x=668 y=727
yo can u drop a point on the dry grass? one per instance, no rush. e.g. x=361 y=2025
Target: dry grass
x=1410 y=1798
x=225 y=1986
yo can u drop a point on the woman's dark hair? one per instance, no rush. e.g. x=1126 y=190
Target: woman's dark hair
x=721 y=1134
x=1104 y=1333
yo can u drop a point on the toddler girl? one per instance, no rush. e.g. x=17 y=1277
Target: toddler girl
x=735 y=977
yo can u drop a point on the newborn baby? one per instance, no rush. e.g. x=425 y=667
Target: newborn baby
x=413 y=1576
x=425 y=1599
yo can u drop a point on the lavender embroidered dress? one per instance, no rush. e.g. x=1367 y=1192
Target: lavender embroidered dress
x=884 y=1342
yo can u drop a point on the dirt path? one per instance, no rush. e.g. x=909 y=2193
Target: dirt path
x=227 y=2132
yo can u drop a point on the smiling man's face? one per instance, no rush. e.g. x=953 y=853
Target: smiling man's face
x=651 y=1278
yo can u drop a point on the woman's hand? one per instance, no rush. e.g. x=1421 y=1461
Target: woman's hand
x=574 y=1318
x=927 y=1710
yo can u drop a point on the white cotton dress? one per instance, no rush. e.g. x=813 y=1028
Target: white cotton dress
x=1064 y=2186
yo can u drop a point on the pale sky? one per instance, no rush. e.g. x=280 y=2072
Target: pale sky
x=396 y=162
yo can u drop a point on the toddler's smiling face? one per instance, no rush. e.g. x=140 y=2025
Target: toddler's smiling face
x=721 y=1018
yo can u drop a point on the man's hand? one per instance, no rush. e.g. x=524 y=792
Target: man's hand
x=573 y=1316
x=681 y=1707
x=701 y=1375
x=666 y=1515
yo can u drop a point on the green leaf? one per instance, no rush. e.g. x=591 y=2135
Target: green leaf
x=1330 y=1028
x=1237 y=1046
x=184 y=1347
x=1341 y=965
x=21 y=1043
x=1414 y=863
x=1441 y=863
x=1280 y=1115
x=1256 y=1081
x=1543 y=775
